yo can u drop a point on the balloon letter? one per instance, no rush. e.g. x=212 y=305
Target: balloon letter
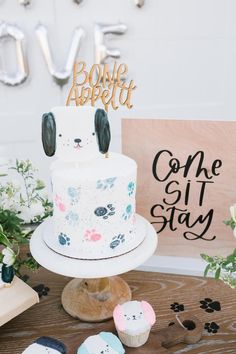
x=101 y=50
x=13 y=32
x=60 y=77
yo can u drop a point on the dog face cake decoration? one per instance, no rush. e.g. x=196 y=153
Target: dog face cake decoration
x=133 y=321
x=102 y=343
x=74 y=134
x=46 y=345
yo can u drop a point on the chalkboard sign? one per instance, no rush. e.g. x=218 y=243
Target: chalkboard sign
x=186 y=182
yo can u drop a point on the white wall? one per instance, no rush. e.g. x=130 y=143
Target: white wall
x=181 y=54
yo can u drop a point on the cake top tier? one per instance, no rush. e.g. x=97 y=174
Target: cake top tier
x=75 y=133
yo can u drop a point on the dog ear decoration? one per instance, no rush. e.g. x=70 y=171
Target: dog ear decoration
x=113 y=341
x=102 y=129
x=82 y=350
x=52 y=343
x=118 y=315
x=49 y=133
x=148 y=312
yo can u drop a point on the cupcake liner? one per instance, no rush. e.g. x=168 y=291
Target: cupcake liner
x=133 y=341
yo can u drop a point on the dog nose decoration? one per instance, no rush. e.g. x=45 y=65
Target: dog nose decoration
x=77 y=141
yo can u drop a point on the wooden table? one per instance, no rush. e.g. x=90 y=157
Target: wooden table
x=161 y=290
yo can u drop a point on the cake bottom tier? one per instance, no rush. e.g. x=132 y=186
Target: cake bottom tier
x=111 y=246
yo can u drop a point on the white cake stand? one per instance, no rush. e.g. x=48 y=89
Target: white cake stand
x=96 y=289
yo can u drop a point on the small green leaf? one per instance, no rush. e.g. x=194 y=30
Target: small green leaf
x=207 y=270
x=217 y=273
x=39 y=185
x=207 y=258
x=4 y=240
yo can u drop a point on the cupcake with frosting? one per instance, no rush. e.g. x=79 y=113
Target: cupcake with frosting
x=104 y=343
x=133 y=321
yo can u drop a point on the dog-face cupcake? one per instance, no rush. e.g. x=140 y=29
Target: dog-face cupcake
x=102 y=343
x=46 y=345
x=133 y=321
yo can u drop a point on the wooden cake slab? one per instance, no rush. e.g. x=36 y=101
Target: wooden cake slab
x=15 y=299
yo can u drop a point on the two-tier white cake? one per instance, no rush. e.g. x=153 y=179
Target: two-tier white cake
x=93 y=192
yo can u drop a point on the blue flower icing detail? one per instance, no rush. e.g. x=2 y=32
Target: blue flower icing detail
x=64 y=240
x=117 y=240
x=131 y=187
x=128 y=212
x=105 y=212
x=107 y=183
x=72 y=218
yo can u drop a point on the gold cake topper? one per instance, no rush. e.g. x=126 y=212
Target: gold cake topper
x=101 y=84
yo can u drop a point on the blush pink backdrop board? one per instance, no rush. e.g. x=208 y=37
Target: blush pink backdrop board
x=186 y=182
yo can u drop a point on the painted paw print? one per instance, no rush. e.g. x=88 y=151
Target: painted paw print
x=130 y=188
x=107 y=183
x=74 y=194
x=211 y=327
x=209 y=305
x=72 y=218
x=59 y=204
x=128 y=212
x=105 y=212
x=41 y=289
x=92 y=235
x=64 y=239
x=176 y=307
x=117 y=240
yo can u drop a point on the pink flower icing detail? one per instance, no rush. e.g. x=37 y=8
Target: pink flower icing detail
x=60 y=205
x=92 y=235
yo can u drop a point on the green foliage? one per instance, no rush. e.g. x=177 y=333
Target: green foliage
x=223 y=268
x=14 y=233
